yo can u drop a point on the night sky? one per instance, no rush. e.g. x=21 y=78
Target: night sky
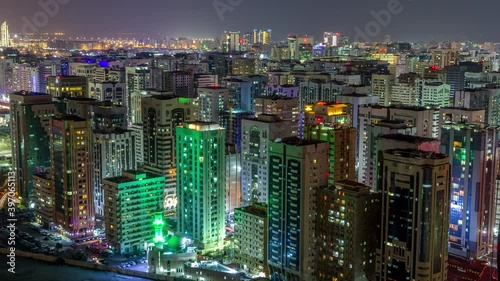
x=420 y=20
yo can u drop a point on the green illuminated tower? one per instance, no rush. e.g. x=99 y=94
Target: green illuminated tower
x=200 y=149
x=158 y=225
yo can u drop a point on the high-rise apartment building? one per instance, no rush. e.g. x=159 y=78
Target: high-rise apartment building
x=6 y=76
x=445 y=57
x=472 y=149
x=30 y=134
x=108 y=91
x=284 y=107
x=200 y=151
x=244 y=66
x=132 y=199
x=482 y=98
x=161 y=115
x=67 y=86
x=48 y=67
x=72 y=176
x=231 y=41
x=181 y=83
x=382 y=87
x=414 y=215
x=26 y=78
x=113 y=153
x=347 y=216
x=233 y=179
x=330 y=114
x=137 y=79
x=250 y=236
x=342 y=153
x=369 y=145
x=297 y=169
x=4 y=35
x=43 y=199
x=330 y=39
x=212 y=103
x=256 y=134
x=295 y=42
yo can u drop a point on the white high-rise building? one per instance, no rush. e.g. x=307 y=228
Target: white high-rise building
x=26 y=78
x=212 y=103
x=113 y=153
x=5 y=40
x=330 y=39
x=256 y=133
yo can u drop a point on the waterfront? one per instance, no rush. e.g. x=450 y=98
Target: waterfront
x=28 y=269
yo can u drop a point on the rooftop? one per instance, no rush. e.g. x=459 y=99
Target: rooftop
x=132 y=176
x=415 y=154
x=296 y=141
x=408 y=138
x=212 y=265
x=256 y=209
x=201 y=126
x=66 y=117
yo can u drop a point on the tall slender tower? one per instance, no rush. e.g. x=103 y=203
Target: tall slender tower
x=200 y=151
x=160 y=115
x=30 y=116
x=5 y=36
x=413 y=233
x=71 y=158
x=297 y=170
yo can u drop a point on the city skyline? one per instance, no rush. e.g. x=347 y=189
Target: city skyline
x=414 y=21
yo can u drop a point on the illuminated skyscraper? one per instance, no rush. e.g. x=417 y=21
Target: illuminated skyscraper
x=200 y=151
x=256 y=134
x=472 y=150
x=231 y=42
x=213 y=102
x=5 y=35
x=26 y=77
x=136 y=79
x=114 y=152
x=132 y=200
x=30 y=127
x=413 y=233
x=72 y=176
x=161 y=115
x=266 y=37
x=347 y=216
x=297 y=169
x=382 y=88
x=330 y=39
x=342 y=140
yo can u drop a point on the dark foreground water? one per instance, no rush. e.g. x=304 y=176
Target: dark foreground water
x=28 y=270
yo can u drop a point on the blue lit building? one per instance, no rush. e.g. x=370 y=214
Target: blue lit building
x=472 y=150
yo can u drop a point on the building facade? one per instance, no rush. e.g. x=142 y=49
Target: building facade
x=131 y=202
x=72 y=176
x=200 y=157
x=347 y=215
x=292 y=206
x=413 y=232
x=250 y=236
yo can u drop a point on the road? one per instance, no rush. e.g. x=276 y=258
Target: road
x=27 y=269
